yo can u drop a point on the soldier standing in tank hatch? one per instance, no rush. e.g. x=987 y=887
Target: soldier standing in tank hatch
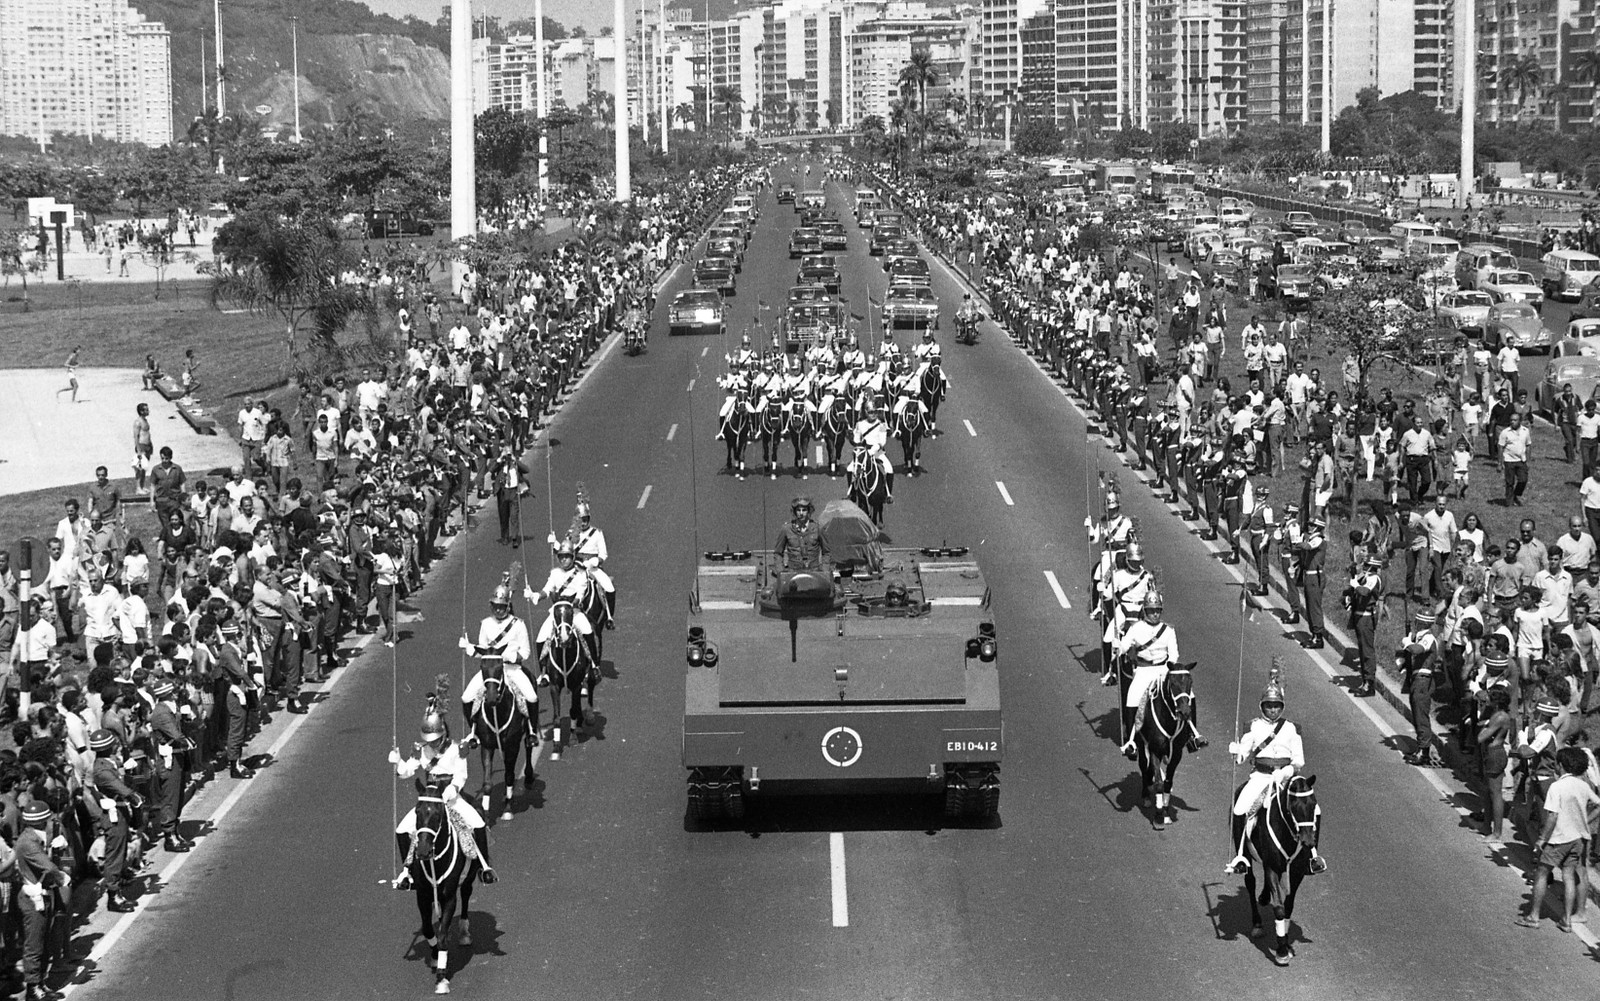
x=799 y=543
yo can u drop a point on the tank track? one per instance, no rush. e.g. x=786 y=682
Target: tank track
x=972 y=791
x=716 y=793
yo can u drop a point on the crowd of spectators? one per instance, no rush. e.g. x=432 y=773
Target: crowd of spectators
x=170 y=622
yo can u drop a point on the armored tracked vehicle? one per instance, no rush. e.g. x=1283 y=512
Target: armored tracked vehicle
x=822 y=681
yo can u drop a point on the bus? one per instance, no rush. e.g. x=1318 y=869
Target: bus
x=1167 y=179
x=1116 y=178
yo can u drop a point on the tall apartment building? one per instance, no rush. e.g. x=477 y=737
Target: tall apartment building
x=997 y=56
x=1037 y=40
x=805 y=59
x=84 y=67
x=1197 y=63
x=1546 y=35
x=1103 y=62
x=881 y=48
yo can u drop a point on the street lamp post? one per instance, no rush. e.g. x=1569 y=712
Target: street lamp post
x=463 y=171
x=294 y=36
x=541 y=105
x=1469 y=111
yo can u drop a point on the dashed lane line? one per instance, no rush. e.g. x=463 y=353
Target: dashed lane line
x=1005 y=494
x=643 y=498
x=970 y=429
x=841 y=901
x=672 y=432
x=691 y=386
x=1055 y=585
x=704 y=350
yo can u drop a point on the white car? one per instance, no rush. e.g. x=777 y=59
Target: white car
x=1587 y=329
x=1466 y=310
x=1512 y=286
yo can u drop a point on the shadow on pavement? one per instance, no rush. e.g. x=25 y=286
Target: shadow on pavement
x=894 y=811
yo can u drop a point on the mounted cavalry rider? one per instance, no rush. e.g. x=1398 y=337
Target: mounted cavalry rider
x=872 y=433
x=501 y=636
x=1122 y=597
x=439 y=758
x=744 y=357
x=589 y=547
x=1273 y=748
x=567 y=580
x=1152 y=646
x=907 y=399
x=929 y=348
x=853 y=359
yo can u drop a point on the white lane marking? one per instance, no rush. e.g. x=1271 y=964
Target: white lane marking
x=1055 y=585
x=672 y=432
x=213 y=822
x=970 y=429
x=841 y=904
x=643 y=497
x=691 y=386
x=822 y=455
x=1005 y=494
x=704 y=350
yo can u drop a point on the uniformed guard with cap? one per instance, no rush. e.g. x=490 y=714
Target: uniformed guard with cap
x=1288 y=535
x=230 y=662
x=439 y=758
x=1261 y=527
x=1363 y=598
x=169 y=763
x=114 y=802
x=41 y=880
x=799 y=542
x=1417 y=659
x=1273 y=748
x=1313 y=555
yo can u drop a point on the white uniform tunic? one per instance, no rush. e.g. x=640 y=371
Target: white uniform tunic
x=1266 y=740
x=591 y=553
x=1154 y=649
x=446 y=762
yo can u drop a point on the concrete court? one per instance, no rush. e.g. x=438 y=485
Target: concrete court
x=48 y=441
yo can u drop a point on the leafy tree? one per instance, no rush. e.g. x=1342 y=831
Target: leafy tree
x=553 y=29
x=17 y=257
x=293 y=269
x=1037 y=138
x=1377 y=317
x=503 y=139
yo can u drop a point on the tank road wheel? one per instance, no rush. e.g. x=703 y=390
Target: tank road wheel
x=972 y=792
x=716 y=793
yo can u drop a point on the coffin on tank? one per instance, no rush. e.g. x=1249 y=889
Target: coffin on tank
x=813 y=681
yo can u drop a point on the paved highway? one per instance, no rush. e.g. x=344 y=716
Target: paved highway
x=607 y=891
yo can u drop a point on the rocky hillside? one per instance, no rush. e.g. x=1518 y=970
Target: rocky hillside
x=352 y=61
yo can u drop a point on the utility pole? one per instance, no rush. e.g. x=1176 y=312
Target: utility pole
x=222 y=95
x=662 y=86
x=294 y=35
x=463 y=172
x=619 y=38
x=1469 y=110
x=541 y=104
x=1305 y=62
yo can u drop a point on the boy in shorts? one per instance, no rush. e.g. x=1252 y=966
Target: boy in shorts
x=1492 y=758
x=1571 y=808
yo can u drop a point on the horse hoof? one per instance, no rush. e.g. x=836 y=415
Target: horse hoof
x=442 y=987
x=1282 y=956
x=1256 y=931
x=505 y=815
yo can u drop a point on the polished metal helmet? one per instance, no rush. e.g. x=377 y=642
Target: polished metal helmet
x=1153 y=601
x=1272 y=695
x=434 y=724
x=501 y=598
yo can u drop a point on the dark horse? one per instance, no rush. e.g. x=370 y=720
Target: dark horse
x=735 y=432
x=833 y=427
x=797 y=429
x=442 y=873
x=869 y=488
x=910 y=426
x=771 y=423
x=500 y=726
x=1285 y=832
x=930 y=390
x=570 y=664
x=1162 y=738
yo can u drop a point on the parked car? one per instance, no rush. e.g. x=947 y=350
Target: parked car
x=1517 y=324
x=386 y=225
x=1586 y=330
x=696 y=311
x=1465 y=311
x=1512 y=286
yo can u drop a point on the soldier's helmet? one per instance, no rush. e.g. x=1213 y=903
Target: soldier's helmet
x=927 y=335
x=800 y=503
x=1113 y=503
x=564 y=548
x=434 y=724
x=895 y=595
x=1153 y=602
x=1135 y=553
x=744 y=341
x=1272 y=696
x=501 y=598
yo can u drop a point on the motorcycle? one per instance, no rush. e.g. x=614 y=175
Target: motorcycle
x=635 y=334
x=967 y=328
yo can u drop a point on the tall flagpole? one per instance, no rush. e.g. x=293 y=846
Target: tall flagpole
x=463 y=174
x=541 y=100
x=619 y=37
x=294 y=35
x=222 y=99
x=661 y=78
x=1469 y=109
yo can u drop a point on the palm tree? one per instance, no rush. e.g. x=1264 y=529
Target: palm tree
x=686 y=113
x=832 y=105
x=1586 y=69
x=1522 y=76
x=919 y=73
x=955 y=108
x=775 y=107
x=731 y=102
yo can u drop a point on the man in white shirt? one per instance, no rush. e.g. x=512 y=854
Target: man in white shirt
x=252 y=431
x=1515 y=443
x=370 y=392
x=1440 y=525
x=102 y=608
x=239 y=487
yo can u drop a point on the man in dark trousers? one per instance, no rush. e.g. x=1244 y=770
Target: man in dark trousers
x=1313 y=552
x=510 y=486
x=171 y=749
x=230 y=664
x=361 y=536
x=38 y=898
x=116 y=803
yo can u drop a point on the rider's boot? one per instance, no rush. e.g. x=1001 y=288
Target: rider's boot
x=611 y=609
x=1197 y=740
x=1239 y=864
x=1132 y=720
x=889 y=478
x=403 y=841
x=480 y=837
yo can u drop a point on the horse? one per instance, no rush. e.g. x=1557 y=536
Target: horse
x=735 y=433
x=910 y=424
x=833 y=427
x=797 y=429
x=442 y=873
x=500 y=726
x=1286 y=829
x=570 y=665
x=1162 y=738
x=869 y=488
x=930 y=390
x=771 y=423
